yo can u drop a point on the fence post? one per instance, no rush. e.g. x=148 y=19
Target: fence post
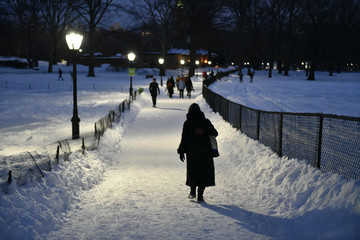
x=227 y=110
x=240 y=117
x=83 y=146
x=321 y=120
x=57 y=154
x=258 y=126
x=10 y=176
x=280 y=134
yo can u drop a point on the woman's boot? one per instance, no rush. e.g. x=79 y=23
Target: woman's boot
x=200 y=197
x=192 y=192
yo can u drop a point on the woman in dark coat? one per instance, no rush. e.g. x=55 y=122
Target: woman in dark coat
x=195 y=143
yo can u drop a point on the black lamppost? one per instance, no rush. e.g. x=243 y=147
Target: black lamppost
x=131 y=56
x=197 y=62
x=161 y=62
x=74 y=41
x=182 y=62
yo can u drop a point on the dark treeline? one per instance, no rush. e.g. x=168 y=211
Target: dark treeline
x=308 y=34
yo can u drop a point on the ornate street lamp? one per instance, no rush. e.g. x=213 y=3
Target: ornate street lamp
x=131 y=56
x=74 y=41
x=161 y=62
x=197 y=62
x=182 y=62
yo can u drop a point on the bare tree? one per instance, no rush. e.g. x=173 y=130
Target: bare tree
x=26 y=16
x=343 y=32
x=316 y=14
x=200 y=19
x=157 y=16
x=92 y=12
x=56 y=15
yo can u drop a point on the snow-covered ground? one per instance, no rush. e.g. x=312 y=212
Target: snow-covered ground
x=338 y=94
x=133 y=185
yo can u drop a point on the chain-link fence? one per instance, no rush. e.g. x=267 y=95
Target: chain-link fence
x=28 y=166
x=328 y=142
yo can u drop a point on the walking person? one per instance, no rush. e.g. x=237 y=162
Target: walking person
x=170 y=84
x=154 y=91
x=181 y=86
x=204 y=75
x=60 y=75
x=251 y=74
x=188 y=85
x=195 y=143
x=241 y=75
x=177 y=82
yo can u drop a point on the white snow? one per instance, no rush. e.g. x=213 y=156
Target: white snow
x=133 y=185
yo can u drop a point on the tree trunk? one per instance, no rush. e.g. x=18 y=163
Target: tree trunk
x=50 y=66
x=312 y=71
x=270 y=68
x=163 y=54
x=192 y=58
x=91 y=72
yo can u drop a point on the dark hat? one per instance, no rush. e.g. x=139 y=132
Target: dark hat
x=194 y=108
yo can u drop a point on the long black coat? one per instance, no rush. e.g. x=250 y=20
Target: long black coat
x=196 y=144
x=154 y=89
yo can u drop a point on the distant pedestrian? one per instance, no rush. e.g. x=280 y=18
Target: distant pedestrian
x=204 y=75
x=195 y=143
x=154 y=91
x=241 y=75
x=188 y=85
x=60 y=75
x=251 y=74
x=177 y=82
x=170 y=84
x=181 y=86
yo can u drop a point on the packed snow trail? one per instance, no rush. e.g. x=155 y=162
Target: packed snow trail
x=145 y=197
x=257 y=194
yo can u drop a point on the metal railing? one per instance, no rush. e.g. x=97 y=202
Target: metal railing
x=328 y=142
x=28 y=166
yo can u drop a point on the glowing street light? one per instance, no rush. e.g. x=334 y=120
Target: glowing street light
x=161 y=62
x=197 y=62
x=131 y=56
x=74 y=41
x=182 y=62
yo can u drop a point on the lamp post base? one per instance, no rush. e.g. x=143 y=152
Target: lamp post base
x=75 y=127
x=131 y=88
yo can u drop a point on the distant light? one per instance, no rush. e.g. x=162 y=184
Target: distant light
x=209 y=62
x=131 y=56
x=182 y=61
x=205 y=61
x=197 y=62
x=161 y=60
x=74 y=40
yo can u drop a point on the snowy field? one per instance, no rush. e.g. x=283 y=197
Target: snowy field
x=338 y=94
x=132 y=186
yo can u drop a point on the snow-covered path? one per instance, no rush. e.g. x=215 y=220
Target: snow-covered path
x=144 y=195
